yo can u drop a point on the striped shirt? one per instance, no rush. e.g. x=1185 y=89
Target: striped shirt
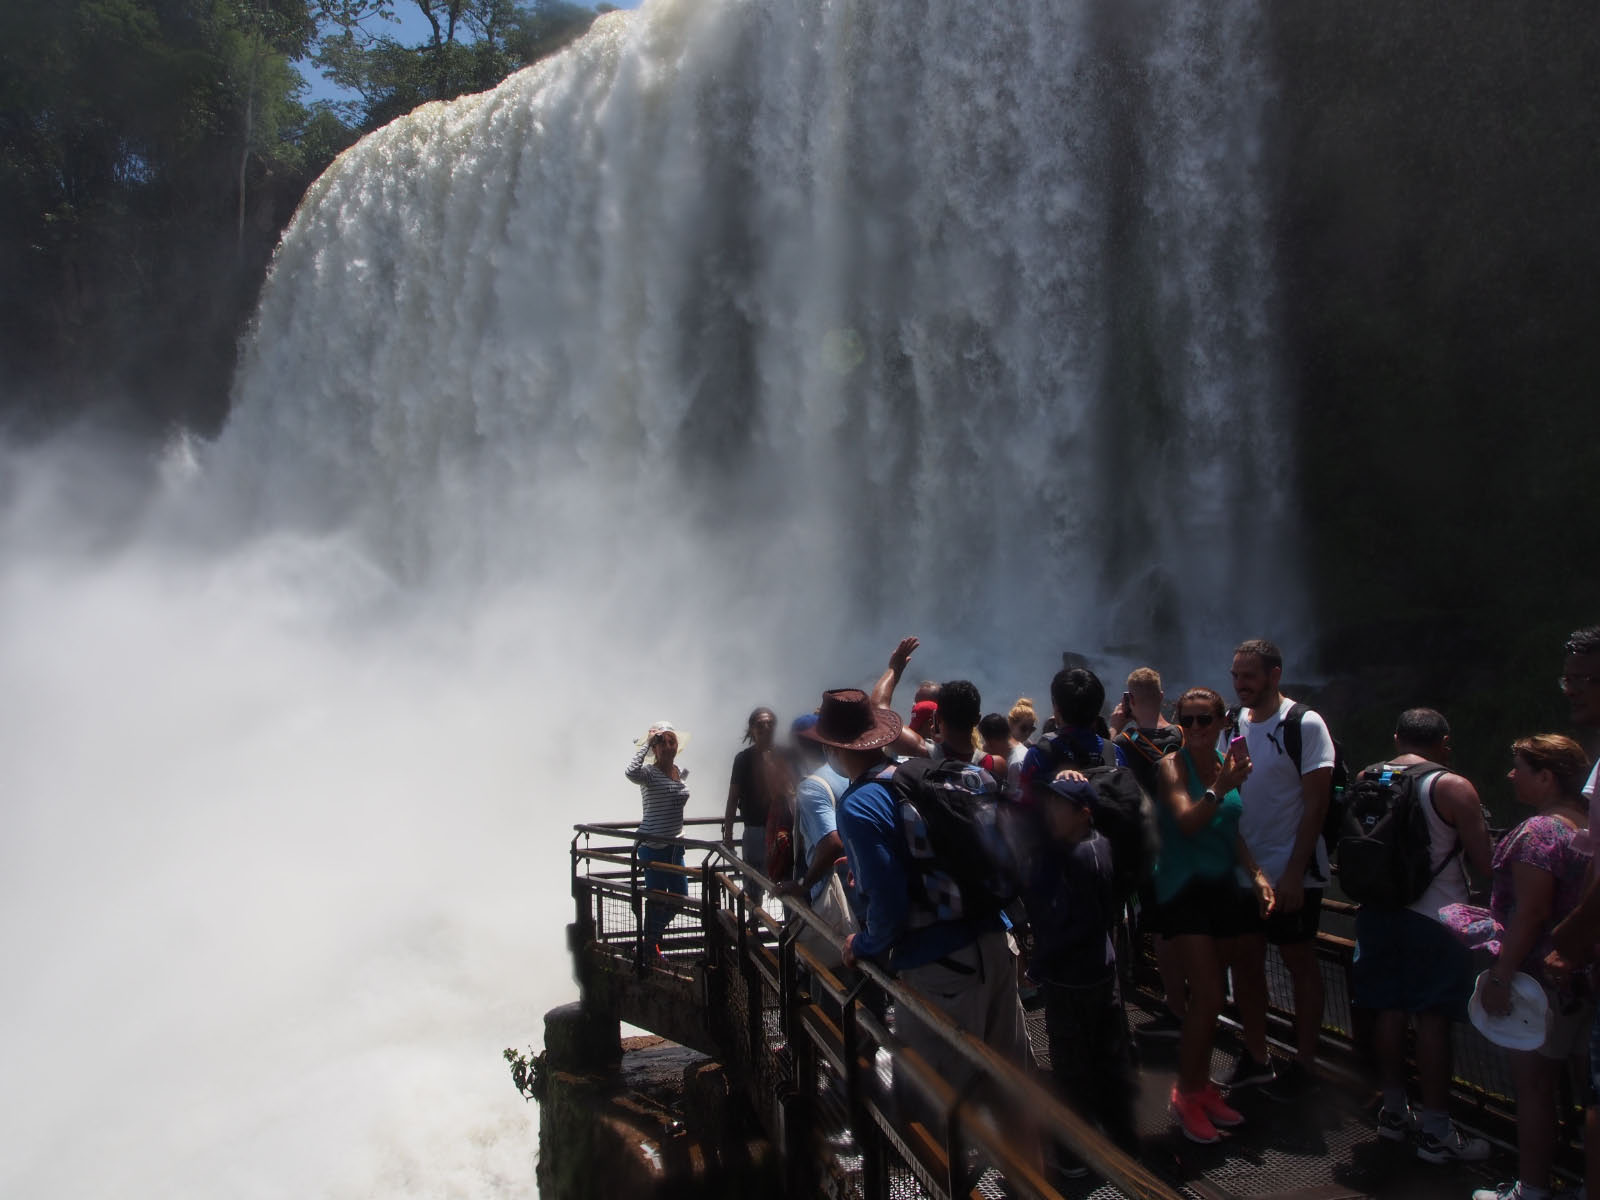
x=664 y=798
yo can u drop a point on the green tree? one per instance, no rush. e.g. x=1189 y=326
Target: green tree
x=150 y=151
x=473 y=45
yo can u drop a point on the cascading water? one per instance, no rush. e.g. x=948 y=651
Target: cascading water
x=682 y=372
x=945 y=316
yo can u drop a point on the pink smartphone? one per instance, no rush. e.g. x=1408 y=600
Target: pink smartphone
x=1238 y=746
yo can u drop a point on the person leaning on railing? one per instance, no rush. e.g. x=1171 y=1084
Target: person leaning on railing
x=962 y=965
x=664 y=786
x=1539 y=872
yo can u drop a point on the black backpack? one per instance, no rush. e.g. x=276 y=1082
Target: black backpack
x=1122 y=811
x=1145 y=748
x=1385 y=856
x=966 y=864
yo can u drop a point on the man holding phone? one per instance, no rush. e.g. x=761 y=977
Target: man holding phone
x=1284 y=807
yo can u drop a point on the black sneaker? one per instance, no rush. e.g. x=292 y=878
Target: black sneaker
x=1454 y=1147
x=1396 y=1126
x=1293 y=1080
x=1165 y=1026
x=1247 y=1072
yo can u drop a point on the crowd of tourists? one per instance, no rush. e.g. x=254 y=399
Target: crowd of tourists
x=985 y=859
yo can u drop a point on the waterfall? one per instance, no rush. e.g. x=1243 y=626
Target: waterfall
x=684 y=371
x=889 y=316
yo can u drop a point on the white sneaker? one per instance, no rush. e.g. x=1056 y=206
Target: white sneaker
x=1456 y=1147
x=1511 y=1191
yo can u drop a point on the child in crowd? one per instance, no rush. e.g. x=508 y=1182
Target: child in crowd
x=1067 y=887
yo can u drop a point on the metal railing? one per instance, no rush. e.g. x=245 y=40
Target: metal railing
x=853 y=1110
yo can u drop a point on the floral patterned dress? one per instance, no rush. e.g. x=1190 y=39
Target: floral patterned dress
x=1548 y=843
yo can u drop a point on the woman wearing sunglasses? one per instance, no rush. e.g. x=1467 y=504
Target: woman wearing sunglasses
x=1197 y=893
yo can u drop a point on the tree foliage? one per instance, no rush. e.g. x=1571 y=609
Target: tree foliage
x=473 y=45
x=151 y=152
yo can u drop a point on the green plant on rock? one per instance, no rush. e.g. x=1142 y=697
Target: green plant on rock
x=527 y=1073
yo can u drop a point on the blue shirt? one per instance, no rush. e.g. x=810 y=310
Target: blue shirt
x=816 y=815
x=869 y=824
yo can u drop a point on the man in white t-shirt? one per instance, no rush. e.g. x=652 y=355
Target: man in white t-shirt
x=1284 y=807
x=1576 y=936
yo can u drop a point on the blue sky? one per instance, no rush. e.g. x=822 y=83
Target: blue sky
x=410 y=28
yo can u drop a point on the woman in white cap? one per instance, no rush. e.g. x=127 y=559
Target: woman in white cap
x=665 y=788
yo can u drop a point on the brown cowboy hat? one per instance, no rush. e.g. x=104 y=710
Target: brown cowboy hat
x=847 y=721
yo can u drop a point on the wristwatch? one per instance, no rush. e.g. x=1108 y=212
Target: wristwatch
x=1211 y=796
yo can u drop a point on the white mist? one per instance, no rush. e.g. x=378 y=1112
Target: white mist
x=681 y=373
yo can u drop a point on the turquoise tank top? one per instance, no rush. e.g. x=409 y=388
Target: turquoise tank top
x=1206 y=854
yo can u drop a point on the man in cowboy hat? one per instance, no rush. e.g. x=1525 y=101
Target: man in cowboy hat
x=962 y=966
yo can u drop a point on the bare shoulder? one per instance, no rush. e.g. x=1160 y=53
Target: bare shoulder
x=1455 y=794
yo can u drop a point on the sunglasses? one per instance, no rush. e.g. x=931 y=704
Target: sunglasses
x=1203 y=720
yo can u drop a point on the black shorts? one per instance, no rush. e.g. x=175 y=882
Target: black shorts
x=1209 y=907
x=1281 y=928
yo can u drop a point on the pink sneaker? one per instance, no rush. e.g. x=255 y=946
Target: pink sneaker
x=1189 y=1111
x=1222 y=1116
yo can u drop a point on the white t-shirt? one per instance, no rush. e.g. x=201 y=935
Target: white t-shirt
x=1273 y=801
x=1014 y=767
x=1590 y=837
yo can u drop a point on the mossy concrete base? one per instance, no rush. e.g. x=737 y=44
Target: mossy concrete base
x=648 y=1119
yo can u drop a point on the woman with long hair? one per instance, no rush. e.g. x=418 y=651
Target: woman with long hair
x=664 y=788
x=758 y=779
x=1539 y=873
x=1197 y=893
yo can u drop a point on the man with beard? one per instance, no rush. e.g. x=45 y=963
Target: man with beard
x=1284 y=806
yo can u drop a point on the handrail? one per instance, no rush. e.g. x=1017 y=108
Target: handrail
x=766 y=959
x=964 y=1124
x=1099 y=1153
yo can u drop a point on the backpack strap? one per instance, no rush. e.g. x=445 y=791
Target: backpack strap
x=827 y=787
x=802 y=852
x=1291 y=733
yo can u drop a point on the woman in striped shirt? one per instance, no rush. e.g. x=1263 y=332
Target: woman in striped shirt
x=665 y=789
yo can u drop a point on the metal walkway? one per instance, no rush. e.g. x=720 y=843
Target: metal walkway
x=831 y=1086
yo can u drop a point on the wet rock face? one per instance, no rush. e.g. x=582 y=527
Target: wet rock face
x=640 y=1117
x=1436 y=251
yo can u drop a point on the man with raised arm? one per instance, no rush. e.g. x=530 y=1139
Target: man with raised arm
x=912 y=741
x=1285 y=802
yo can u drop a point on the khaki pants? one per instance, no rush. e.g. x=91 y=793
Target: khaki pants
x=977 y=986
